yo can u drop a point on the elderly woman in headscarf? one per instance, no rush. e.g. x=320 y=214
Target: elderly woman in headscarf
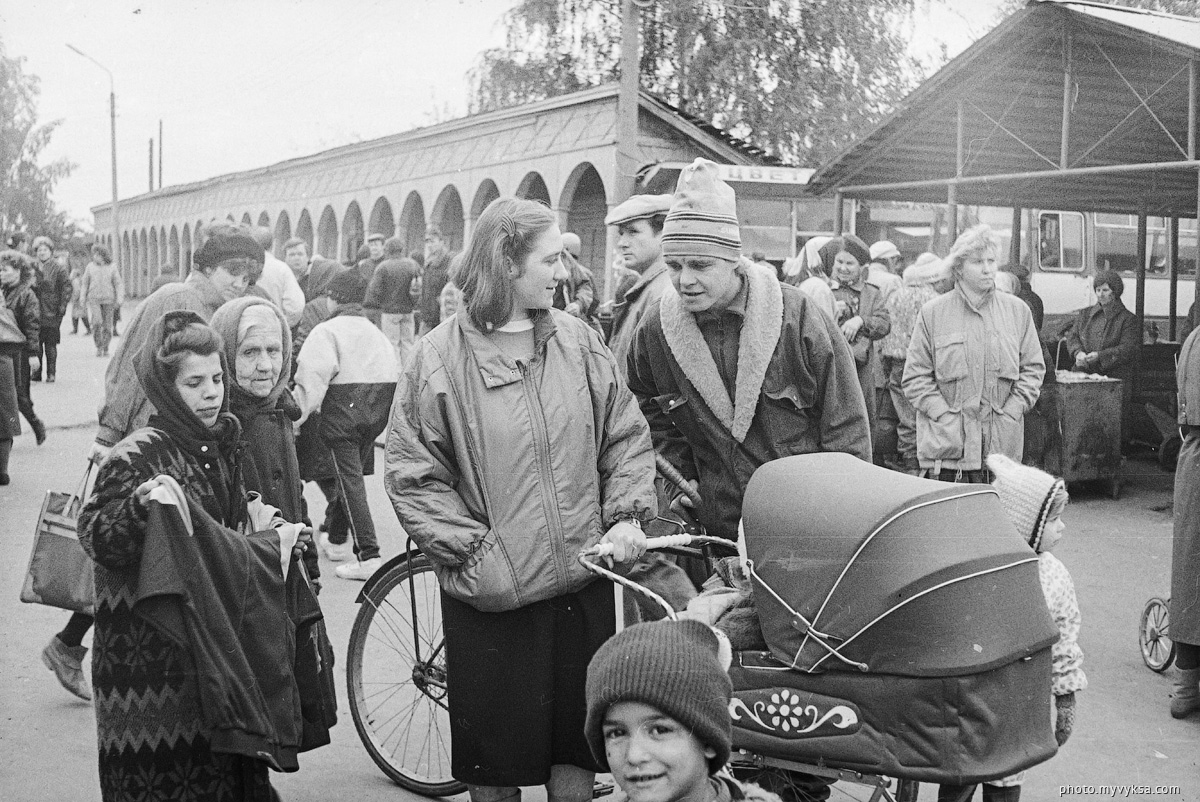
x=860 y=311
x=807 y=273
x=149 y=718
x=258 y=353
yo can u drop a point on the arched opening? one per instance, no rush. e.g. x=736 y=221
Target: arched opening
x=533 y=187
x=143 y=264
x=164 y=254
x=185 y=263
x=585 y=204
x=152 y=256
x=246 y=221
x=127 y=264
x=231 y=218
x=412 y=223
x=448 y=216
x=352 y=232
x=382 y=220
x=487 y=192
x=327 y=234
x=264 y=220
x=304 y=229
x=283 y=232
x=173 y=251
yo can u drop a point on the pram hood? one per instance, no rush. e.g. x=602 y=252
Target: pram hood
x=898 y=575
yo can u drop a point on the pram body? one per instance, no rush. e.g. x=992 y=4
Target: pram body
x=908 y=632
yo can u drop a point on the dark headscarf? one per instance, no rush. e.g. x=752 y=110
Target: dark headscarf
x=227 y=320
x=174 y=417
x=848 y=243
x=320 y=274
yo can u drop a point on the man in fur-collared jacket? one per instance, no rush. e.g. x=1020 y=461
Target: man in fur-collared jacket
x=733 y=369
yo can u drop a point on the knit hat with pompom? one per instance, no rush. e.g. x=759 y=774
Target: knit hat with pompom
x=1027 y=494
x=674 y=666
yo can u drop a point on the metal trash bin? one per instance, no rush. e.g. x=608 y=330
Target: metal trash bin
x=1089 y=426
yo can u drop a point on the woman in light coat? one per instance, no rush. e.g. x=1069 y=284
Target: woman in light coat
x=974 y=367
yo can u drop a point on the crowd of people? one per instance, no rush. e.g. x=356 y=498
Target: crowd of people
x=522 y=417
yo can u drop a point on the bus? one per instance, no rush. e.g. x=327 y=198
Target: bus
x=1064 y=250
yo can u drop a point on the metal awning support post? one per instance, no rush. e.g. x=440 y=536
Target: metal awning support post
x=1173 y=267
x=839 y=214
x=1140 y=308
x=1065 y=142
x=1014 y=245
x=952 y=189
x=1193 y=80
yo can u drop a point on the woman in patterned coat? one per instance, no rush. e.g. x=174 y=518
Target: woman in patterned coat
x=152 y=741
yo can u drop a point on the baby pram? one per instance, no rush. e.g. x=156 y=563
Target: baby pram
x=908 y=633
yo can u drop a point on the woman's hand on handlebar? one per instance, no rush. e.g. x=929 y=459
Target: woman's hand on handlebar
x=628 y=541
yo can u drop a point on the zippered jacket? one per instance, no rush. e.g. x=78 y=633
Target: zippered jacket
x=503 y=471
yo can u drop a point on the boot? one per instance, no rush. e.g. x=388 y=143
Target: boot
x=1186 y=698
x=39 y=430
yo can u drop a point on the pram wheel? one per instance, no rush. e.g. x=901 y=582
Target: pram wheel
x=1154 y=636
x=396 y=678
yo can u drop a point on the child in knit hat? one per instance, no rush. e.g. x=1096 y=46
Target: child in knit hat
x=658 y=712
x=1034 y=501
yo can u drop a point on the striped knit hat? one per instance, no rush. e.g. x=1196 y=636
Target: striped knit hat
x=703 y=217
x=1029 y=496
x=674 y=666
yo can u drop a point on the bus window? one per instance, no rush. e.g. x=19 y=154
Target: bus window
x=1060 y=241
x=1116 y=247
x=1049 y=242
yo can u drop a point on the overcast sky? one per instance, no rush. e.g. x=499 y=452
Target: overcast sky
x=245 y=84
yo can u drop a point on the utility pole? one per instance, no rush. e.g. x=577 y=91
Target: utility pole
x=160 y=155
x=626 y=157
x=151 y=164
x=116 y=206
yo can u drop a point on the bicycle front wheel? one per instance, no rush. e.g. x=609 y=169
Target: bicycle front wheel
x=396 y=678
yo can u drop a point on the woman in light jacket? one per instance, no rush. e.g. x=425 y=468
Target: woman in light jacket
x=514 y=444
x=974 y=367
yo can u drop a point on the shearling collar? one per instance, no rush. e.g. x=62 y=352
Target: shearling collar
x=756 y=344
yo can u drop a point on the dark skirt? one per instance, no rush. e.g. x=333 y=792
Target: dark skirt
x=10 y=418
x=516 y=685
x=1185 y=555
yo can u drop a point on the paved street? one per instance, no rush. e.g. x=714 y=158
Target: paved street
x=1118 y=553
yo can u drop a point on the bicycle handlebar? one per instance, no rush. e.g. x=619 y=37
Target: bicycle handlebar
x=673 y=476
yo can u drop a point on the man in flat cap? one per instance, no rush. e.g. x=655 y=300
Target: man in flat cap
x=734 y=369
x=225 y=265
x=639 y=223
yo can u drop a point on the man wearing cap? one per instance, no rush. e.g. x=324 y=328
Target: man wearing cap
x=639 y=223
x=434 y=276
x=375 y=251
x=735 y=369
x=226 y=264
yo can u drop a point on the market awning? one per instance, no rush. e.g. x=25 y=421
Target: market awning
x=1064 y=105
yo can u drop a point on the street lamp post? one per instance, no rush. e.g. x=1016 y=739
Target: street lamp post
x=116 y=208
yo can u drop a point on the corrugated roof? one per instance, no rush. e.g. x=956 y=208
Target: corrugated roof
x=1128 y=96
